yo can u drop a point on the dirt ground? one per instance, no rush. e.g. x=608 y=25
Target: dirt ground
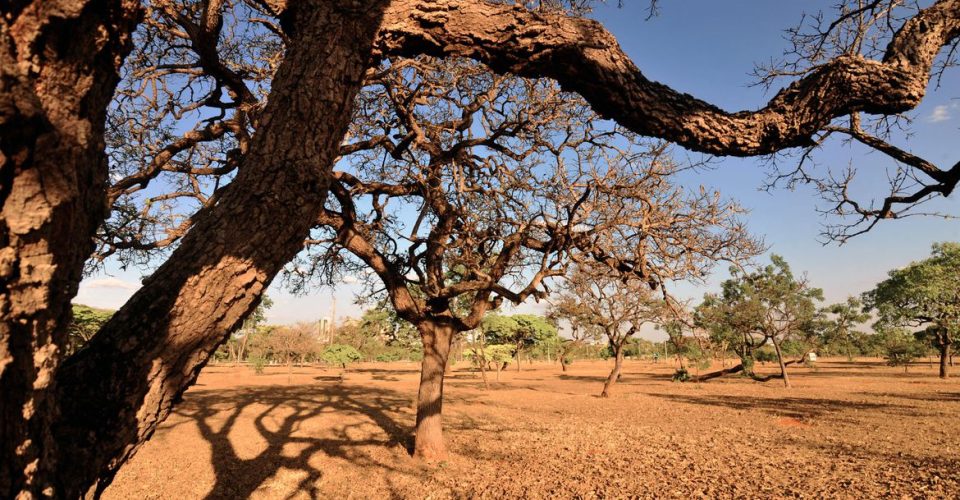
x=857 y=429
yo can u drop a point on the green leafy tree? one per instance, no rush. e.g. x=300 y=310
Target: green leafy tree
x=926 y=295
x=85 y=323
x=383 y=323
x=898 y=346
x=340 y=354
x=496 y=354
x=768 y=306
x=838 y=327
x=521 y=331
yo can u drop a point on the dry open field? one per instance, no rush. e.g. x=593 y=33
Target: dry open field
x=845 y=430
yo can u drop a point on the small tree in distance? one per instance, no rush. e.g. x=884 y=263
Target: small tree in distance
x=839 y=327
x=289 y=344
x=616 y=305
x=900 y=348
x=340 y=354
x=924 y=295
x=85 y=323
x=767 y=306
x=521 y=331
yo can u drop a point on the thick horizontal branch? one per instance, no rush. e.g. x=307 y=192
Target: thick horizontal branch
x=585 y=58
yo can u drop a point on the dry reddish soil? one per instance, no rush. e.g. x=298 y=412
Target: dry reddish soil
x=857 y=429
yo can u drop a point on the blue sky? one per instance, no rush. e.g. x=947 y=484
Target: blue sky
x=708 y=48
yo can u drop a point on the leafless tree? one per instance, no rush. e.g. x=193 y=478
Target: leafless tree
x=503 y=182
x=616 y=304
x=565 y=308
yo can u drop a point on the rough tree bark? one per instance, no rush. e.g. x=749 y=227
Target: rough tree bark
x=437 y=337
x=58 y=61
x=585 y=58
x=58 y=69
x=115 y=392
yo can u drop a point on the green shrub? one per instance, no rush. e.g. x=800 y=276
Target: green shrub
x=606 y=353
x=681 y=375
x=340 y=354
x=258 y=362
x=765 y=355
x=388 y=356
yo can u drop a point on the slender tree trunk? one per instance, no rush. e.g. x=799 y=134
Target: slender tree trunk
x=241 y=348
x=115 y=392
x=783 y=366
x=483 y=373
x=428 y=444
x=944 y=357
x=615 y=373
x=499 y=369
x=59 y=63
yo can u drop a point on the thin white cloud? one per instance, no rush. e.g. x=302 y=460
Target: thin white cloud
x=943 y=112
x=940 y=113
x=350 y=280
x=110 y=283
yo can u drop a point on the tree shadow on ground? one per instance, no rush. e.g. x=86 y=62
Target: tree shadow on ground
x=625 y=379
x=856 y=371
x=793 y=407
x=278 y=412
x=386 y=372
x=950 y=397
x=908 y=465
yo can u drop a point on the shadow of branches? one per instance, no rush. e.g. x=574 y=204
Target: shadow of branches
x=794 y=407
x=278 y=414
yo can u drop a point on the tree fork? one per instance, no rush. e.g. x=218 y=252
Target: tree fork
x=115 y=392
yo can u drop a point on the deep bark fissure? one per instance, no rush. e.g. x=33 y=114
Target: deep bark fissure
x=117 y=390
x=59 y=64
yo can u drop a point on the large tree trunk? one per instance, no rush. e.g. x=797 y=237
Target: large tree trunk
x=783 y=366
x=115 y=392
x=428 y=444
x=58 y=70
x=615 y=373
